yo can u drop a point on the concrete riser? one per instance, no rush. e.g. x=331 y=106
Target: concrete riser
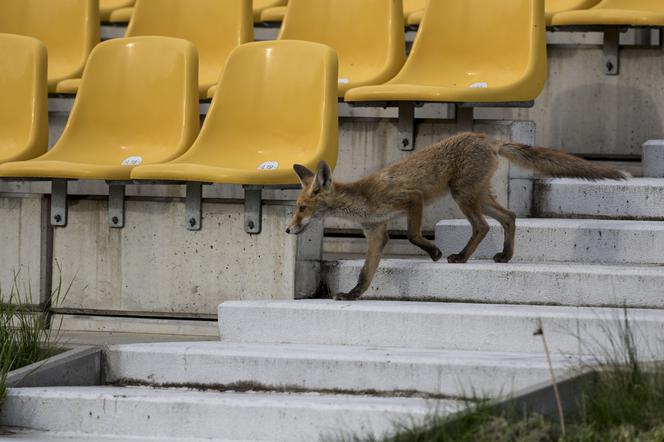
x=561 y=284
x=472 y=327
x=175 y=414
x=563 y=240
x=323 y=368
x=636 y=198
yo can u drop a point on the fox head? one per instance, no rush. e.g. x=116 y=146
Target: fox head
x=315 y=197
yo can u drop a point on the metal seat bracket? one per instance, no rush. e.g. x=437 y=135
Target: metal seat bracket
x=59 y=207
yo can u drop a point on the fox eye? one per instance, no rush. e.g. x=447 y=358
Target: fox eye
x=303 y=208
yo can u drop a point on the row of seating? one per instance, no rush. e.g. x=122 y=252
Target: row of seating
x=136 y=116
x=369 y=55
x=567 y=12
x=121 y=11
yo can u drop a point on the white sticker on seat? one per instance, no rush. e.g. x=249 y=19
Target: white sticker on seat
x=480 y=85
x=344 y=81
x=268 y=165
x=132 y=161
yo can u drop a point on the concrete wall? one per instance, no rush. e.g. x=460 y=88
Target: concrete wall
x=583 y=111
x=154 y=265
x=25 y=247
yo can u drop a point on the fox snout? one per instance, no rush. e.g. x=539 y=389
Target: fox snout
x=297 y=226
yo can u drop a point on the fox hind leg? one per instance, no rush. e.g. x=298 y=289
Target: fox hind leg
x=415 y=231
x=507 y=219
x=471 y=207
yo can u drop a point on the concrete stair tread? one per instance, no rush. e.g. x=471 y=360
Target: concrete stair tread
x=448 y=308
x=53 y=436
x=623 y=242
x=571 y=222
x=481 y=281
x=435 y=325
x=631 y=182
x=525 y=266
x=635 y=198
x=337 y=369
x=390 y=355
x=183 y=414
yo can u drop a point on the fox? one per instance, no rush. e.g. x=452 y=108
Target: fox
x=461 y=165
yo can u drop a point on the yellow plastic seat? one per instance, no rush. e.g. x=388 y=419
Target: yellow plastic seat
x=615 y=13
x=216 y=27
x=411 y=7
x=415 y=18
x=24 y=103
x=275 y=14
x=261 y=5
x=138 y=103
x=276 y=105
x=122 y=15
x=107 y=7
x=68 y=28
x=553 y=7
x=471 y=51
x=368 y=36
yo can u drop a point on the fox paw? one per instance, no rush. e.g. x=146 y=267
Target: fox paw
x=436 y=254
x=501 y=258
x=456 y=258
x=347 y=296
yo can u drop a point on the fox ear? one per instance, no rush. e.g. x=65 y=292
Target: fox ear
x=323 y=177
x=305 y=175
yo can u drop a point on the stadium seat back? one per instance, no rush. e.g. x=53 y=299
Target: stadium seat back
x=410 y=6
x=260 y=5
x=479 y=43
x=367 y=35
x=276 y=105
x=68 y=28
x=138 y=98
x=23 y=98
x=106 y=7
x=635 y=5
x=556 y=6
x=216 y=27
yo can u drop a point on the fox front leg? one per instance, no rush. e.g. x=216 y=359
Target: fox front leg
x=377 y=238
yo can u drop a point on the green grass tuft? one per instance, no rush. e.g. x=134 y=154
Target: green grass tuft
x=625 y=404
x=26 y=335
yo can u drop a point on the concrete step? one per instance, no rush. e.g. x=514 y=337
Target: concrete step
x=330 y=368
x=636 y=198
x=513 y=283
x=437 y=325
x=179 y=414
x=53 y=436
x=571 y=240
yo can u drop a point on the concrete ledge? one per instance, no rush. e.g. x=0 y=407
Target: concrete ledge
x=566 y=240
x=78 y=367
x=139 y=326
x=514 y=283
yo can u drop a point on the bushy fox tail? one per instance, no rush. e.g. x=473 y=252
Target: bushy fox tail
x=555 y=164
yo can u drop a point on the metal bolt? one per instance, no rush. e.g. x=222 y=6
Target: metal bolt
x=192 y=222
x=115 y=220
x=57 y=218
x=405 y=142
x=251 y=224
x=609 y=66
